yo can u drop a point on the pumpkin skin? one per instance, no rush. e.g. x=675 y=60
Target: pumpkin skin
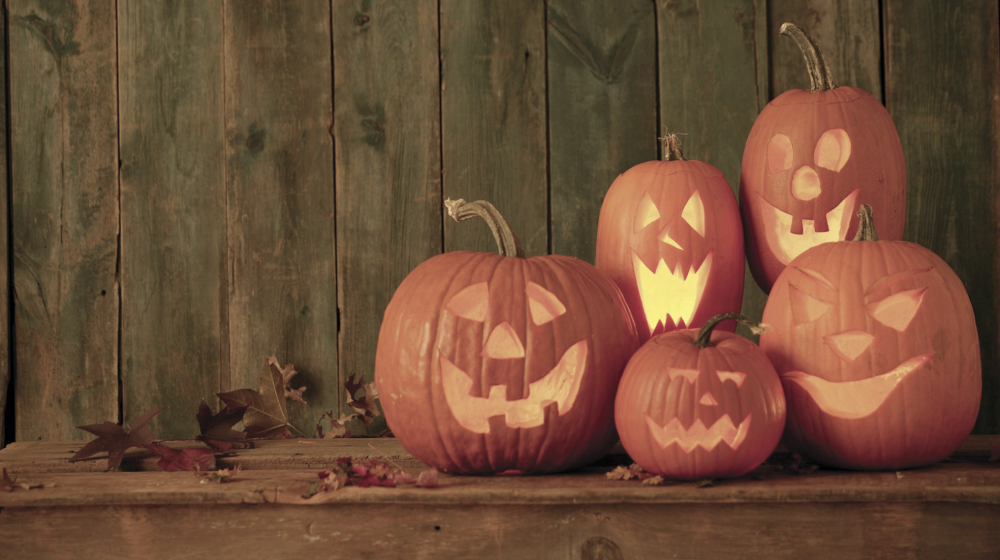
x=669 y=236
x=811 y=158
x=877 y=349
x=490 y=364
x=688 y=413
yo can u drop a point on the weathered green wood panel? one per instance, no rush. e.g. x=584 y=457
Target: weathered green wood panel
x=64 y=213
x=493 y=117
x=173 y=207
x=279 y=177
x=388 y=154
x=5 y=366
x=709 y=91
x=602 y=109
x=942 y=65
x=847 y=31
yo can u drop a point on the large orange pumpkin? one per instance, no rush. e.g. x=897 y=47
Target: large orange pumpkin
x=670 y=237
x=492 y=363
x=876 y=346
x=700 y=404
x=810 y=159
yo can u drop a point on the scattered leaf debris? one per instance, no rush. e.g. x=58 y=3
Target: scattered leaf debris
x=220 y=476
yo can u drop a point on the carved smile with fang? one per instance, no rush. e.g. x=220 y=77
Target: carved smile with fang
x=723 y=430
x=853 y=399
x=787 y=245
x=670 y=294
x=559 y=386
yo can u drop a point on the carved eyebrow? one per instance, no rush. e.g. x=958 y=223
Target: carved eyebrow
x=816 y=277
x=893 y=279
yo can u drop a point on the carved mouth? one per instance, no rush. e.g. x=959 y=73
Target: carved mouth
x=723 y=430
x=670 y=295
x=854 y=399
x=559 y=386
x=787 y=245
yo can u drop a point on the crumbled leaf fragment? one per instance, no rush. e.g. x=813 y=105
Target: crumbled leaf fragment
x=622 y=472
x=189 y=459
x=220 y=476
x=217 y=429
x=115 y=440
x=365 y=473
x=287 y=373
x=338 y=428
x=655 y=480
x=428 y=478
x=364 y=405
x=704 y=483
x=6 y=482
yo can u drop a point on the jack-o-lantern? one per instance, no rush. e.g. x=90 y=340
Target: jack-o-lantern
x=700 y=404
x=669 y=235
x=492 y=363
x=810 y=159
x=876 y=346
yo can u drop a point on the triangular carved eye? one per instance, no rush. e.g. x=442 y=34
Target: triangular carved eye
x=833 y=149
x=471 y=303
x=645 y=214
x=805 y=308
x=779 y=154
x=897 y=310
x=690 y=374
x=736 y=377
x=543 y=304
x=694 y=213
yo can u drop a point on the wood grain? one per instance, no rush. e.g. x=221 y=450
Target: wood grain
x=493 y=118
x=943 y=91
x=602 y=109
x=173 y=208
x=387 y=125
x=279 y=182
x=64 y=215
x=709 y=92
x=5 y=357
x=848 y=33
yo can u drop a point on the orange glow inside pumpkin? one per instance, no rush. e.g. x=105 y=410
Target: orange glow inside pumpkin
x=787 y=245
x=699 y=435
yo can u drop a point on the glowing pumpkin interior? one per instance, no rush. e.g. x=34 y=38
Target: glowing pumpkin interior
x=723 y=430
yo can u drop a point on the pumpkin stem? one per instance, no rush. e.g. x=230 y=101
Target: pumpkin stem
x=704 y=339
x=508 y=243
x=866 y=228
x=819 y=71
x=671 y=147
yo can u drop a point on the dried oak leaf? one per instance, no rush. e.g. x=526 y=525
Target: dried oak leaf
x=217 y=429
x=189 y=459
x=366 y=406
x=287 y=373
x=338 y=427
x=115 y=440
x=266 y=415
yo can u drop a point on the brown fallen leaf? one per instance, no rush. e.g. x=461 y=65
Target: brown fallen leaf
x=115 y=440
x=220 y=476
x=189 y=459
x=217 y=429
x=366 y=405
x=287 y=373
x=266 y=415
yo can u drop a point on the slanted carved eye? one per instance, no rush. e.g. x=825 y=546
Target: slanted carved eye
x=897 y=310
x=645 y=214
x=543 y=304
x=694 y=213
x=833 y=149
x=471 y=303
x=779 y=154
x=690 y=374
x=805 y=308
x=736 y=377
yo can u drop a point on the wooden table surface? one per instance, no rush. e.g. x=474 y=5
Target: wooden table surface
x=948 y=510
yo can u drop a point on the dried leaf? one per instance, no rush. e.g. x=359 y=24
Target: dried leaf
x=428 y=478
x=217 y=429
x=338 y=429
x=656 y=480
x=620 y=472
x=266 y=415
x=365 y=405
x=113 y=439
x=704 y=483
x=189 y=459
x=287 y=373
x=220 y=476
x=6 y=482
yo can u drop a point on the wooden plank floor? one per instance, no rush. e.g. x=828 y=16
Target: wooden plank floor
x=951 y=509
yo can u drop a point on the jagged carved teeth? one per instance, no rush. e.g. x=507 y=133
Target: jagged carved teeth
x=559 y=386
x=787 y=245
x=723 y=430
x=670 y=293
x=853 y=399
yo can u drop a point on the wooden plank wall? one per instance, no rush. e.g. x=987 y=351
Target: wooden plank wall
x=196 y=185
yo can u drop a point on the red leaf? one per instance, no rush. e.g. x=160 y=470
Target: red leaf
x=217 y=430
x=113 y=439
x=184 y=459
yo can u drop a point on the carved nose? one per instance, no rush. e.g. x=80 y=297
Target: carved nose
x=849 y=345
x=503 y=343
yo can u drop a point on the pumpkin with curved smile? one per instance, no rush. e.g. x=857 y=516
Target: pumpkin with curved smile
x=876 y=346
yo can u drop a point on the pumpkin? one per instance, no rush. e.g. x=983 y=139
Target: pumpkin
x=670 y=237
x=876 y=345
x=700 y=404
x=810 y=159
x=496 y=363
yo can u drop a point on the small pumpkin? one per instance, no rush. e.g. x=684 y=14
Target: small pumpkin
x=876 y=345
x=491 y=363
x=810 y=159
x=700 y=404
x=669 y=235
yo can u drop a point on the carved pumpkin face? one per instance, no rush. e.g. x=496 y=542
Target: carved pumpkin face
x=687 y=412
x=876 y=346
x=810 y=160
x=669 y=236
x=488 y=364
